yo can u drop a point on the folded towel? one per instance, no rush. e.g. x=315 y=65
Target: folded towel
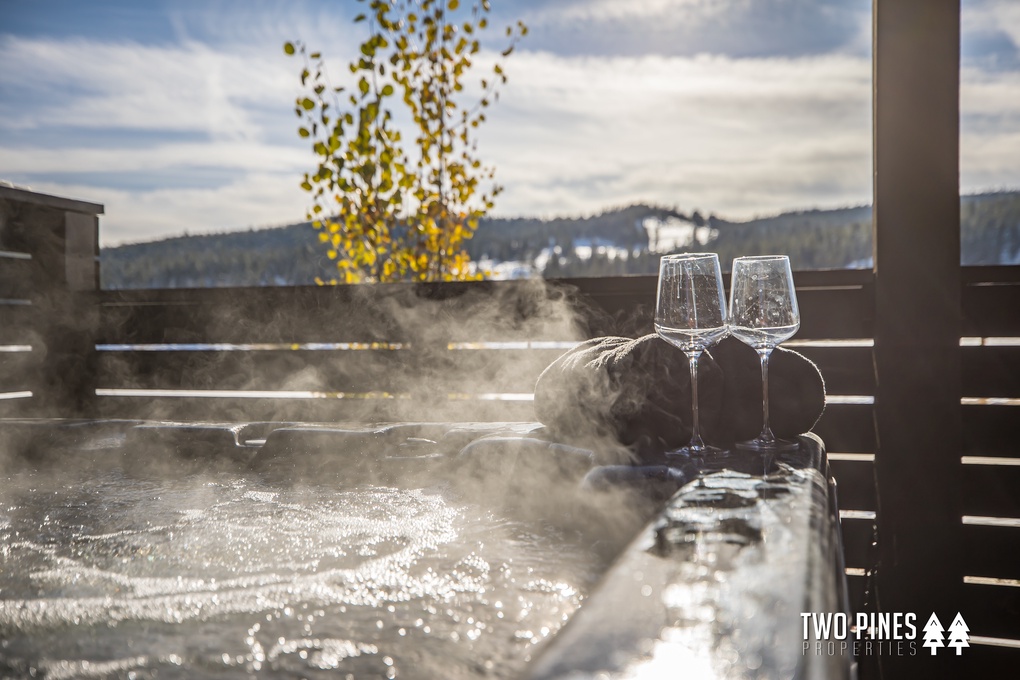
x=638 y=391
x=796 y=391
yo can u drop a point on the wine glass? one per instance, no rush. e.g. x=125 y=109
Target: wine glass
x=690 y=313
x=763 y=313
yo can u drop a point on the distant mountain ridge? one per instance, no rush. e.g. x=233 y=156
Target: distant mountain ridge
x=619 y=241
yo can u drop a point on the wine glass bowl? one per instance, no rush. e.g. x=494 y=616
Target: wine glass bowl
x=763 y=313
x=690 y=314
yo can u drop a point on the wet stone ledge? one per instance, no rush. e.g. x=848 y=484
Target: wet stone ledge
x=715 y=585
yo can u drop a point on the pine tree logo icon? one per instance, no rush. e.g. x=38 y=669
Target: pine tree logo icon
x=933 y=634
x=959 y=634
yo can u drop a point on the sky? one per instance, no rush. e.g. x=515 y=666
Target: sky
x=177 y=115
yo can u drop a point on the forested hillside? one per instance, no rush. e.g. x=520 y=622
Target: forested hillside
x=615 y=242
x=990 y=229
x=267 y=257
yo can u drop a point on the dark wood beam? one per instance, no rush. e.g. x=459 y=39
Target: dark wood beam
x=917 y=317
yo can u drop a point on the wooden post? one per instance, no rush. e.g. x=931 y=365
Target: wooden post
x=917 y=317
x=62 y=281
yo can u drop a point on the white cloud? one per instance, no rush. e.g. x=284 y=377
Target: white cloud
x=233 y=104
x=254 y=200
x=735 y=136
x=980 y=16
x=227 y=154
x=571 y=134
x=736 y=28
x=189 y=87
x=990 y=130
x=675 y=11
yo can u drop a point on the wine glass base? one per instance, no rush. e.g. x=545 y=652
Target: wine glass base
x=694 y=454
x=774 y=446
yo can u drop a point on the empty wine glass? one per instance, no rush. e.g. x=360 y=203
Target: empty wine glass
x=763 y=313
x=690 y=313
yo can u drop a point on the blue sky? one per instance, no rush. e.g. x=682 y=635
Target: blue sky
x=178 y=114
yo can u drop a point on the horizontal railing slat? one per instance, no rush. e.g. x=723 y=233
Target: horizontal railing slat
x=847 y=428
x=855 y=484
x=250 y=370
x=16 y=323
x=17 y=278
x=858 y=535
x=435 y=408
x=991 y=551
x=387 y=313
x=992 y=611
x=991 y=371
x=991 y=491
x=990 y=430
x=833 y=304
x=17 y=370
x=461 y=311
x=354 y=370
x=846 y=370
x=990 y=309
x=984 y=274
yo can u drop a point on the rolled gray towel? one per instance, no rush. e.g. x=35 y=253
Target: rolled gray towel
x=638 y=391
x=633 y=390
x=796 y=391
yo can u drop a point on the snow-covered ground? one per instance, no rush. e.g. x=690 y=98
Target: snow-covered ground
x=664 y=236
x=667 y=235
x=581 y=249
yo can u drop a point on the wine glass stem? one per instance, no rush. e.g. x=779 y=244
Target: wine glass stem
x=766 y=431
x=696 y=442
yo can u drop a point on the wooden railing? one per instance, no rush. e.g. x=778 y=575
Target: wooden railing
x=990 y=483
x=472 y=351
x=49 y=275
x=325 y=353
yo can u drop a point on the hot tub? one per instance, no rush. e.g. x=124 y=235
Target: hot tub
x=122 y=554
x=134 y=549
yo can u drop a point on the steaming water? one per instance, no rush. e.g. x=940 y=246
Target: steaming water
x=231 y=577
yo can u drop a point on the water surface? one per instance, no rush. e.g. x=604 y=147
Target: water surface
x=230 y=576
